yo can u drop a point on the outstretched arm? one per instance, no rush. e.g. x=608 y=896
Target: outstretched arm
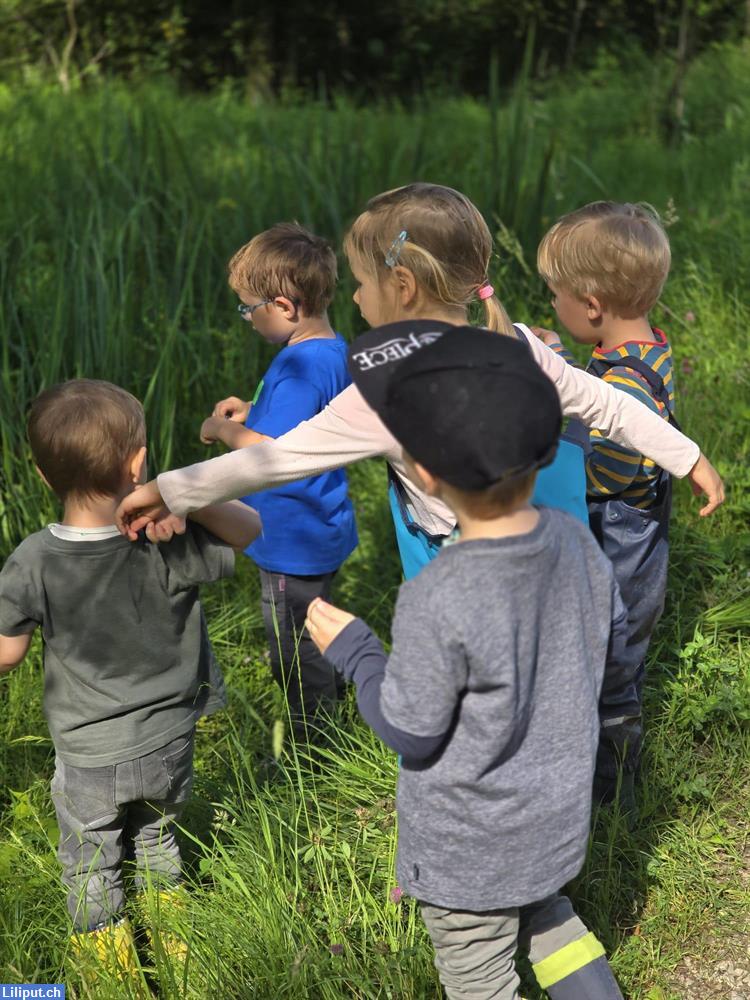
x=628 y=422
x=350 y=646
x=346 y=431
x=233 y=522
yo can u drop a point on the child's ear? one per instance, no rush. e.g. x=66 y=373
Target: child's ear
x=138 y=466
x=429 y=483
x=406 y=284
x=42 y=477
x=288 y=307
x=594 y=309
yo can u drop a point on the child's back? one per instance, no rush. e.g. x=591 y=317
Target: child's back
x=643 y=369
x=128 y=667
x=127 y=662
x=606 y=264
x=520 y=627
x=491 y=688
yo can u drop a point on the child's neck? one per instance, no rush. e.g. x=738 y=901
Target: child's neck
x=519 y=521
x=94 y=513
x=457 y=315
x=616 y=331
x=312 y=328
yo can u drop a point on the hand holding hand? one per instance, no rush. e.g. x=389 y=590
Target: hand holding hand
x=232 y=408
x=324 y=622
x=139 y=508
x=166 y=529
x=704 y=478
x=547 y=337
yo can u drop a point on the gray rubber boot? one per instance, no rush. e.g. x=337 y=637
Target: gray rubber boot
x=594 y=981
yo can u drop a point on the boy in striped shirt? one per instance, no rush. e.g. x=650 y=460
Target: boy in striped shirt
x=606 y=264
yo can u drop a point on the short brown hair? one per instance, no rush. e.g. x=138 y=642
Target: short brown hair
x=287 y=260
x=616 y=252
x=81 y=433
x=499 y=498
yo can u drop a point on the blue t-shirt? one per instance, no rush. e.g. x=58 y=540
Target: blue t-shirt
x=308 y=525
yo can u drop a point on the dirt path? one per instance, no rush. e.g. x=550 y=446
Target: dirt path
x=722 y=969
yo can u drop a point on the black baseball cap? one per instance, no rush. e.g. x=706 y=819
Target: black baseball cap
x=469 y=404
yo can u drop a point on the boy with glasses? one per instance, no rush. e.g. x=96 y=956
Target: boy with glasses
x=285 y=278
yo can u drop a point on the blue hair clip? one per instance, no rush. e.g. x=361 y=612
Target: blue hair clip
x=394 y=251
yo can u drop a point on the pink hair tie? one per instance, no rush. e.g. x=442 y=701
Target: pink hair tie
x=485 y=291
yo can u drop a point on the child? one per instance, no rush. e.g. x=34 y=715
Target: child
x=491 y=688
x=435 y=272
x=285 y=278
x=605 y=265
x=128 y=668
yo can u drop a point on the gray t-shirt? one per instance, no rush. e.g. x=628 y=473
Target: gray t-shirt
x=502 y=643
x=127 y=662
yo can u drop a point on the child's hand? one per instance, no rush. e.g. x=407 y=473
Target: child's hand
x=232 y=408
x=166 y=529
x=324 y=622
x=211 y=429
x=548 y=337
x=137 y=509
x=704 y=478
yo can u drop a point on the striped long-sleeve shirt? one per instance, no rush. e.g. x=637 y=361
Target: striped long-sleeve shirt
x=613 y=470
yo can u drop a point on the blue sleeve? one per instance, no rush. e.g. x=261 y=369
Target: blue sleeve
x=290 y=401
x=358 y=655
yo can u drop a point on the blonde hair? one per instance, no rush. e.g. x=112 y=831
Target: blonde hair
x=447 y=247
x=82 y=433
x=287 y=260
x=618 y=253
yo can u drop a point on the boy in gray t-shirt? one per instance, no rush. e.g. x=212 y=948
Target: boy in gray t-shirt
x=128 y=668
x=491 y=690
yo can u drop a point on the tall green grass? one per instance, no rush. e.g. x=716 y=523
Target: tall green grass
x=120 y=209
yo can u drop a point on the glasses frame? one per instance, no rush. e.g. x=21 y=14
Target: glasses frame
x=246 y=311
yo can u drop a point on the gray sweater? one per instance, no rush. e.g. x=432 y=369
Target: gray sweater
x=498 y=654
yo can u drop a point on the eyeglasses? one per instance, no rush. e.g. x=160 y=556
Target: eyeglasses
x=247 y=311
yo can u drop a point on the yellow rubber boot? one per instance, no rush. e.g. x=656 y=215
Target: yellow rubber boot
x=162 y=911
x=107 y=953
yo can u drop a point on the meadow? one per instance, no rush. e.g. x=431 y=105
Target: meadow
x=120 y=208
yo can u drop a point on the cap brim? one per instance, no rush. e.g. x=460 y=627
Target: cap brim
x=375 y=356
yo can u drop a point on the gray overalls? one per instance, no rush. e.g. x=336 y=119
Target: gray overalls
x=636 y=542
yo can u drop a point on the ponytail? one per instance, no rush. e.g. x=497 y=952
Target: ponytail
x=496 y=318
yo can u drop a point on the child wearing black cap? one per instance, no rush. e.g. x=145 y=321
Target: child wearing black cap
x=491 y=689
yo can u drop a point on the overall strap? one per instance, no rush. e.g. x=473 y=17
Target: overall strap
x=402 y=500
x=598 y=366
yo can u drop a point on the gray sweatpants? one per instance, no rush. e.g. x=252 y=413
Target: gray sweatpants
x=303 y=674
x=474 y=952
x=115 y=813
